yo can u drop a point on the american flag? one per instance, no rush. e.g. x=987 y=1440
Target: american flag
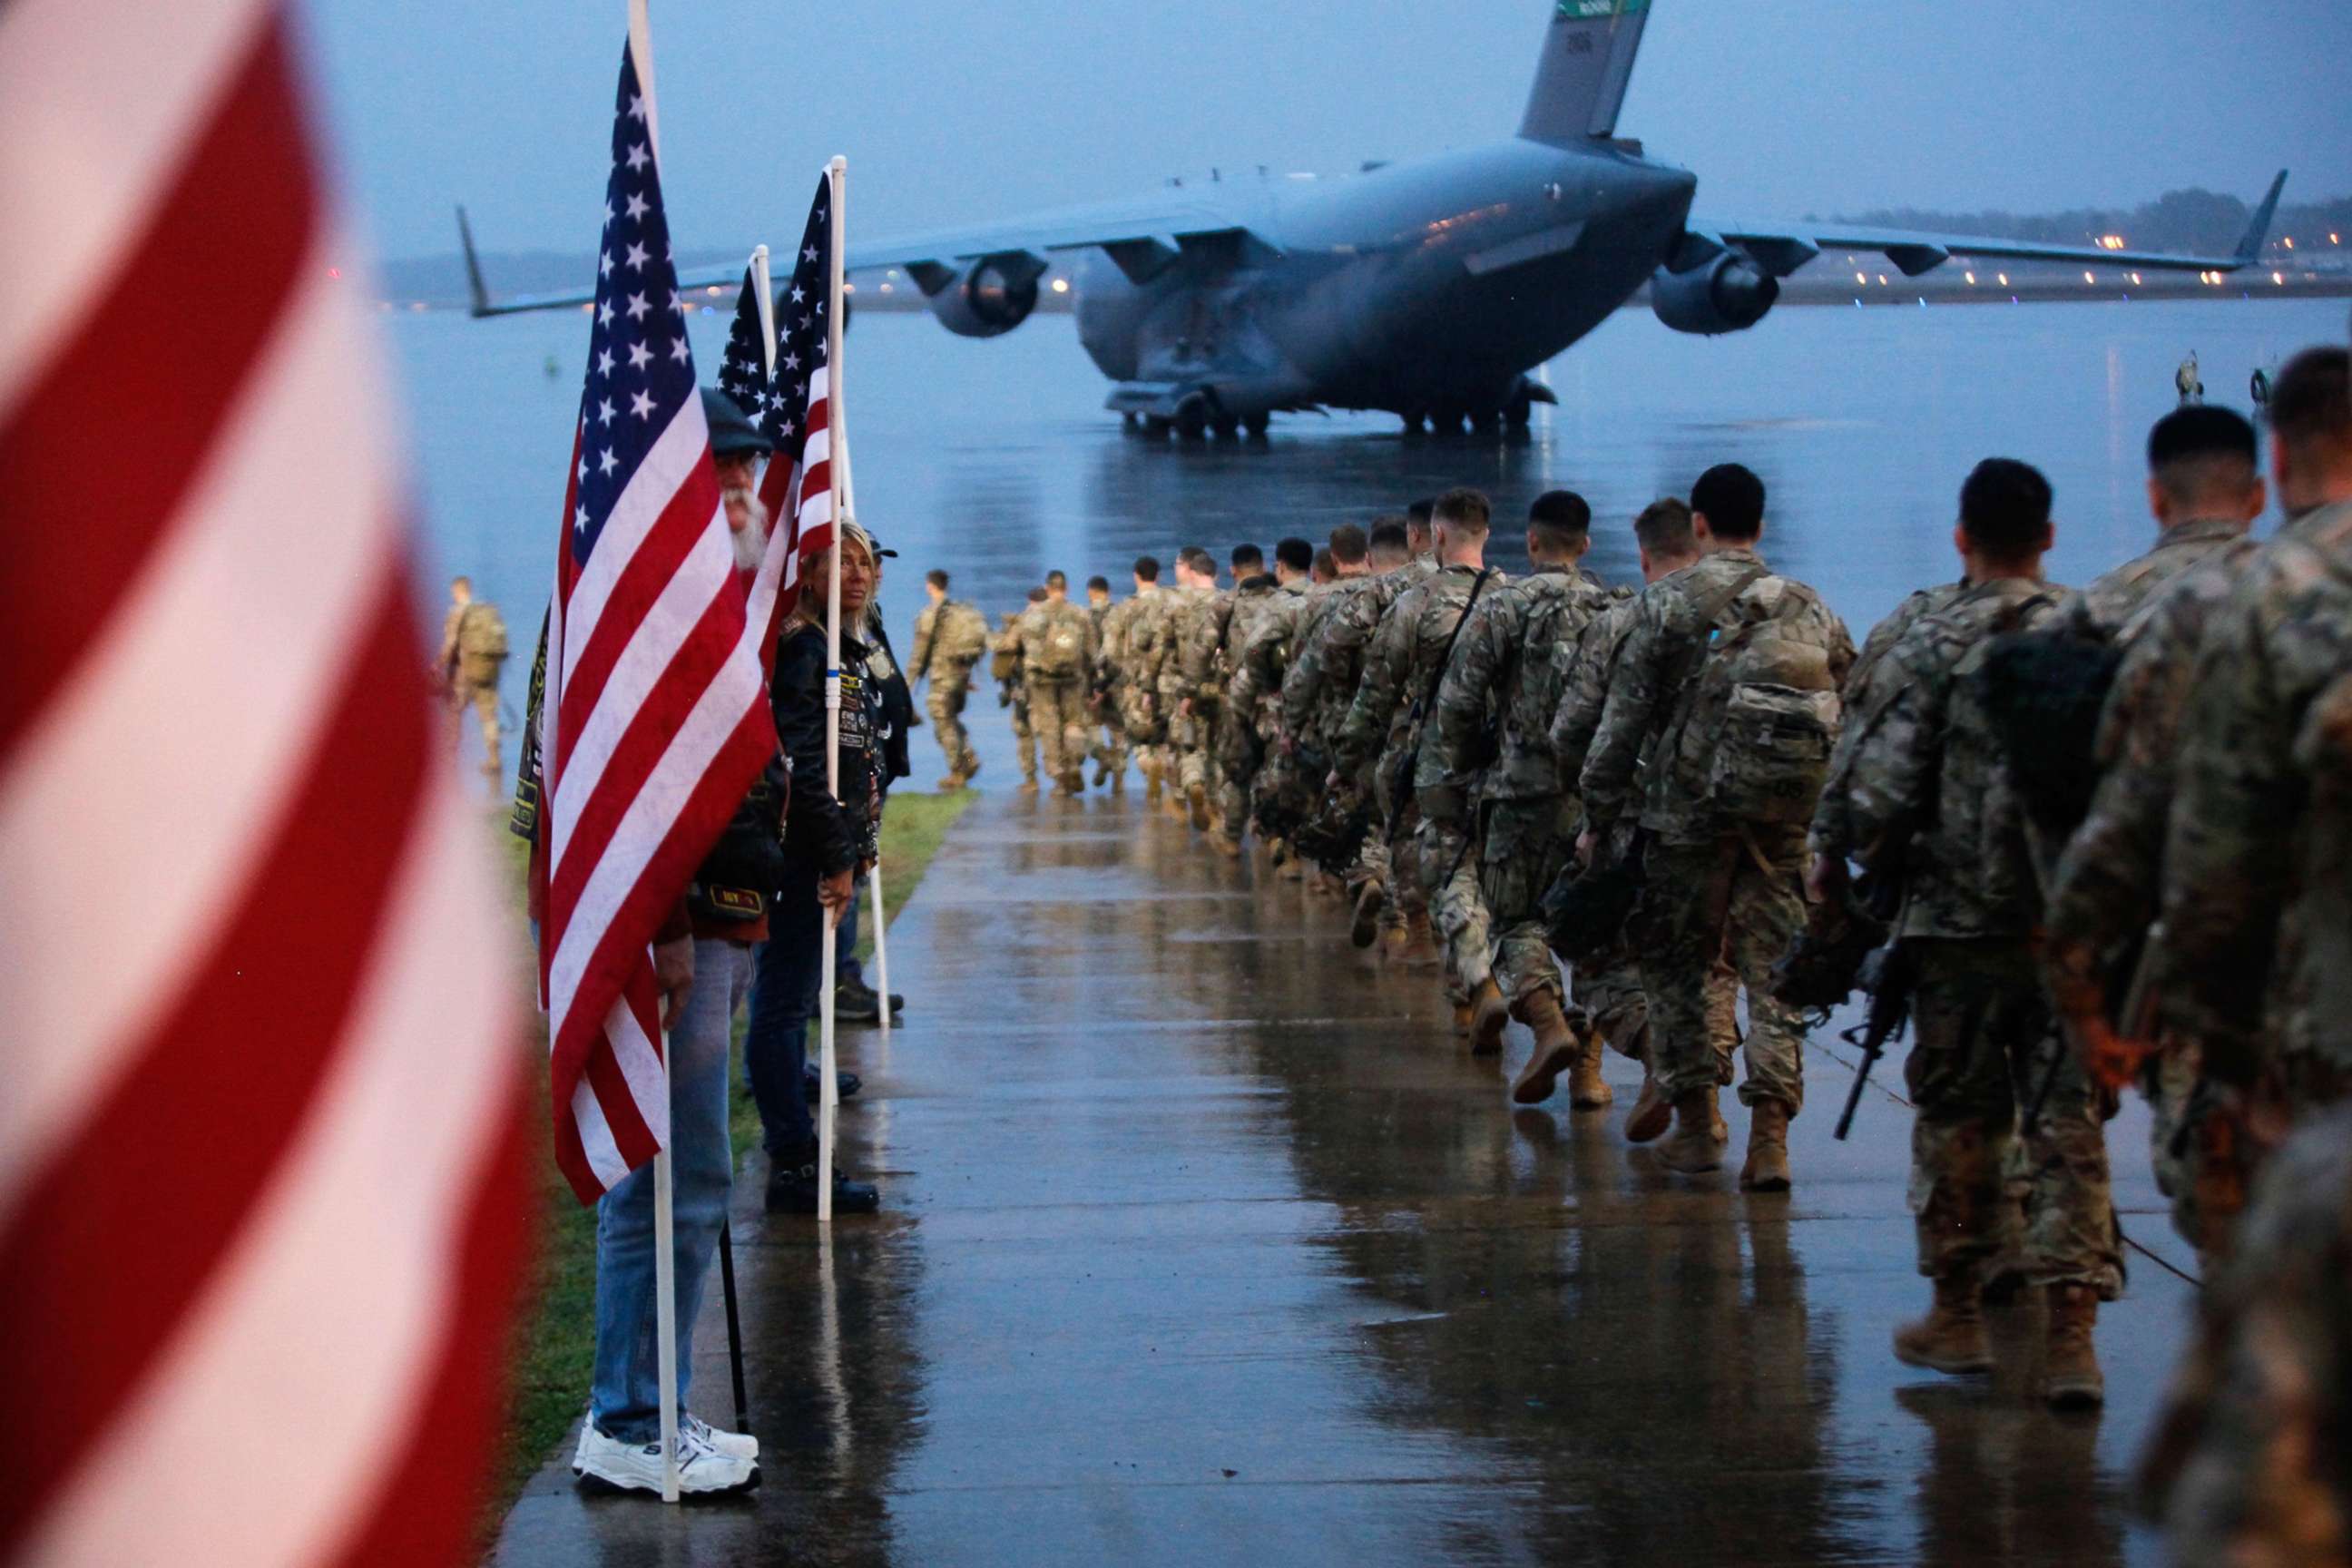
x=259 y=1172
x=655 y=719
x=798 y=486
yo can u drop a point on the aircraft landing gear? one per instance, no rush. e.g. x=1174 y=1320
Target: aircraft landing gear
x=1255 y=424
x=1193 y=417
x=1445 y=419
x=1225 y=426
x=1486 y=421
x=1520 y=412
x=1416 y=423
x=1157 y=427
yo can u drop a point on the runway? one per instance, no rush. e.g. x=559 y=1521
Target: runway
x=1204 y=1242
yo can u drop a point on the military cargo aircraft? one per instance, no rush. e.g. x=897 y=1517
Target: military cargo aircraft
x=1428 y=289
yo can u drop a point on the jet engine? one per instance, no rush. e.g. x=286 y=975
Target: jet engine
x=1728 y=294
x=988 y=299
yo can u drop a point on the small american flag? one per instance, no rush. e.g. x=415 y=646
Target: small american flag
x=798 y=486
x=655 y=717
x=260 y=1172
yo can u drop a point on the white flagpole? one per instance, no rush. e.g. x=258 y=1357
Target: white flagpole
x=767 y=296
x=879 y=921
x=641 y=47
x=829 y=1094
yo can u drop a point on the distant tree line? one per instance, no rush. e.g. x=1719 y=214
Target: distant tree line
x=2195 y=220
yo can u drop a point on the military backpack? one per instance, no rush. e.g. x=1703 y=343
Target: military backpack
x=1762 y=717
x=961 y=636
x=1060 y=651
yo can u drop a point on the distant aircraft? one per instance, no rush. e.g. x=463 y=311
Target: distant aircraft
x=1428 y=289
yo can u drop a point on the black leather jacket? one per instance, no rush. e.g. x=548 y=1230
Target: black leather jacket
x=835 y=830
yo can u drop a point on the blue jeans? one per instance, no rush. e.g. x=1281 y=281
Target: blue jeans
x=845 y=967
x=786 y=971
x=624 y=1391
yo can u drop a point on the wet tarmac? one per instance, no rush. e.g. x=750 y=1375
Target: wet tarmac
x=1205 y=1243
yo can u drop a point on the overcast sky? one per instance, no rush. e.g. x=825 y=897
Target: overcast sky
x=1782 y=107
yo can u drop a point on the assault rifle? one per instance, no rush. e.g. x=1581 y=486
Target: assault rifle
x=1889 y=974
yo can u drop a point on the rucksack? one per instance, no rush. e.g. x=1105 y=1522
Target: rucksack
x=1772 y=717
x=482 y=632
x=1060 y=650
x=962 y=634
x=2043 y=692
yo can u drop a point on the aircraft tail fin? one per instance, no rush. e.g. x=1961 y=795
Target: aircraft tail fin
x=476 y=288
x=2258 y=229
x=1588 y=59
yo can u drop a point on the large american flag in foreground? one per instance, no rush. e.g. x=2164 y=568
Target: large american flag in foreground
x=655 y=719
x=259 y=1190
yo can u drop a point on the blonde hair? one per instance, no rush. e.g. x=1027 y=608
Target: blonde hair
x=816 y=570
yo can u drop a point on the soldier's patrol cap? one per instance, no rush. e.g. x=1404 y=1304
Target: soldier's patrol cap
x=731 y=429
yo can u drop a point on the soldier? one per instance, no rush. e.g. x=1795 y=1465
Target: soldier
x=1057 y=660
x=473 y=652
x=1206 y=674
x=2206 y=488
x=1496 y=701
x=1006 y=664
x=950 y=638
x=1728 y=677
x=1109 y=748
x=1609 y=983
x=1187 y=720
x=1421 y=538
x=1929 y=806
x=2258 y=923
x=2247 y=1467
x=1134 y=641
x=1265 y=612
x=1402 y=670
x=1320 y=686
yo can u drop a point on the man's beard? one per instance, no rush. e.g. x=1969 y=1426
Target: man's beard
x=750 y=540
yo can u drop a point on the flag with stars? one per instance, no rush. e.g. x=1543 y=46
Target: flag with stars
x=798 y=486
x=653 y=719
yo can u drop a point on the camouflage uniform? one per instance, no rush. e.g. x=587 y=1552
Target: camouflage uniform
x=1188 y=675
x=1105 y=721
x=473 y=652
x=2247 y=1467
x=1930 y=801
x=1135 y=642
x=1504 y=673
x=1400 y=671
x=1717 y=888
x=1320 y=687
x=1861 y=696
x=1059 y=637
x=2109 y=876
x=1006 y=648
x=1258 y=604
x=1256 y=692
x=2257 y=904
x=950 y=638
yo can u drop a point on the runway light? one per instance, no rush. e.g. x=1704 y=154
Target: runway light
x=2087 y=278
x=2135 y=277
x=885 y=287
x=1861 y=278
x=2111 y=242
x=2334 y=239
x=1882 y=280
x=1061 y=285
x=2290 y=242
x=713 y=290
x=2004 y=278
x=1972 y=279
x=2278 y=278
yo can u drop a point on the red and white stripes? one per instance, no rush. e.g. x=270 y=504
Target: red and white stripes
x=259 y=1184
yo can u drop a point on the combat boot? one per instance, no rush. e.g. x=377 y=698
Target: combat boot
x=1197 y=796
x=1692 y=1149
x=1489 y=1013
x=1151 y=786
x=1951 y=1337
x=1225 y=843
x=1587 y=1090
x=1420 y=942
x=1464 y=1013
x=2071 y=1379
x=1075 y=781
x=951 y=783
x=1652 y=1114
x=1767 y=1170
x=1029 y=784
x=1557 y=1048
x=1364 y=927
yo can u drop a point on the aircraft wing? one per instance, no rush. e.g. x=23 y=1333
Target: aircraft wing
x=1141 y=237
x=1781 y=248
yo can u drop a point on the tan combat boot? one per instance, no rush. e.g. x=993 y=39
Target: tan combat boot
x=1226 y=844
x=1364 y=928
x=1951 y=1337
x=1489 y=1013
x=1151 y=785
x=1556 y=1049
x=1197 y=796
x=2071 y=1379
x=1652 y=1114
x=1463 y=1015
x=1587 y=1090
x=1767 y=1170
x=1693 y=1150
x=1419 y=941
x=1029 y=784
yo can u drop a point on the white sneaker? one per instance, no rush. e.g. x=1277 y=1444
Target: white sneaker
x=734 y=1445
x=702 y=1470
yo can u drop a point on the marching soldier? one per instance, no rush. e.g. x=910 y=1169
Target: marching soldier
x=1486 y=758
x=1265 y=608
x=950 y=638
x=1110 y=747
x=1134 y=637
x=1057 y=658
x=1728 y=677
x=473 y=652
x=1206 y=674
x=1929 y=805
x=1005 y=663
x=1181 y=695
x=1401 y=670
x=2206 y=488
